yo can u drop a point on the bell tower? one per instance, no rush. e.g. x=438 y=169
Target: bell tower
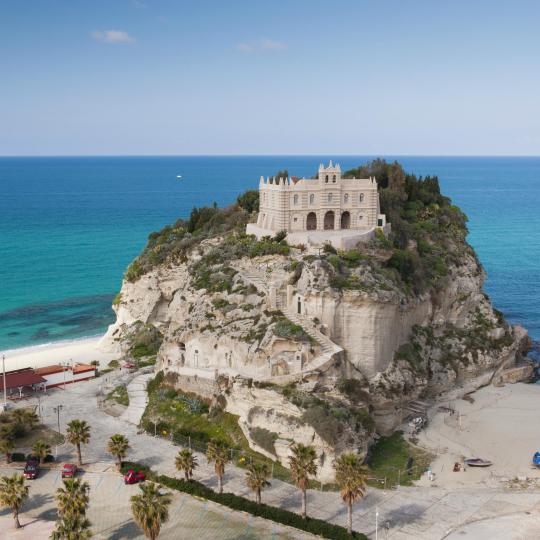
x=330 y=175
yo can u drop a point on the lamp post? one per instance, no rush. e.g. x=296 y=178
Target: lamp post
x=376 y=523
x=57 y=410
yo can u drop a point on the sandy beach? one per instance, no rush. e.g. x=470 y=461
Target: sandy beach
x=82 y=350
x=497 y=423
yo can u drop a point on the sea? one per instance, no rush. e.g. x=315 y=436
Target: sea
x=69 y=226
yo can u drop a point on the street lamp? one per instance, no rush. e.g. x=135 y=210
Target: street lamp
x=57 y=410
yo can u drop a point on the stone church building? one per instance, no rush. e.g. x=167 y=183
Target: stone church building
x=314 y=210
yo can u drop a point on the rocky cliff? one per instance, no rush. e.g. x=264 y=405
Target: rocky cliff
x=322 y=348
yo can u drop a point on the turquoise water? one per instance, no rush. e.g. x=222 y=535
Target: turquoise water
x=70 y=226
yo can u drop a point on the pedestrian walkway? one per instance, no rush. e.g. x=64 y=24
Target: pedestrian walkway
x=138 y=399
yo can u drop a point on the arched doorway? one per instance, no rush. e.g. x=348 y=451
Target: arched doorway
x=346 y=220
x=329 y=220
x=311 y=222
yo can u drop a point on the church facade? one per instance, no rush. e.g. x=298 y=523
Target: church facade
x=326 y=203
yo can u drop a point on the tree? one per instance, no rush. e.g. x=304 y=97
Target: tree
x=13 y=493
x=25 y=418
x=6 y=447
x=218 y=454
x=73 y=498
x=77 y=433
x=72 y=527
x=257 y=478
x=351 y=477
x=72 y=501
x=249 y=200
x=150 y=509
x=187 y=462
x=118 y=446
x=302 y=465
x=41 y=450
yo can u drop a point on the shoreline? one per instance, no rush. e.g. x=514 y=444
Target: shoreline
x=80 y=350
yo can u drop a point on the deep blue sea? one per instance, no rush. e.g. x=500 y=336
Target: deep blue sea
x=70 y=226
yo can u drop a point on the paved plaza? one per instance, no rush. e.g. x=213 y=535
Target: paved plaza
x=110 y=514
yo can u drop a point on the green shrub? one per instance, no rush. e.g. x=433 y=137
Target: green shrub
x=287 y=329
x=279 y=515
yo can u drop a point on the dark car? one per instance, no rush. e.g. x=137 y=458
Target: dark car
x=69 y=470
x=31 y=469
x=134 y=477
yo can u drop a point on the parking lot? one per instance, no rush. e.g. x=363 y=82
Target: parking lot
x=110 y=513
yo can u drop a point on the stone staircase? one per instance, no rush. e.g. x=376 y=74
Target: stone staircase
x=417 y=408
x=328 y=349
x=256 y=279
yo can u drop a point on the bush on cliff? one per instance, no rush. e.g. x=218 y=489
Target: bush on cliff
x=428 y=232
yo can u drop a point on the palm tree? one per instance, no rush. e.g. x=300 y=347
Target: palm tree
x=13 y=493
x=257 y=478
x=77 y=433
x=73 y=498
x=217 y=453
x=351 y=477
x=118 y=446
x=6 y=447
x=72 y=527
x=150 y=509
x=302 y=464
x=41 y=450
x=187 y=462
x=25 y=418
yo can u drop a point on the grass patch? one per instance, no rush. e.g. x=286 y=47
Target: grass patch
x=396 y=460
x=119 y=395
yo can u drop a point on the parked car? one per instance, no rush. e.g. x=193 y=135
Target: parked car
x=31 y=469
x=129 y=365
x=134 y=477
x=69 y=470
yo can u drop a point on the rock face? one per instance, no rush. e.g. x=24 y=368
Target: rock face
x=351 y=355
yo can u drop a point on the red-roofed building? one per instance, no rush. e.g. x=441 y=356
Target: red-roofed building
x=18 y=380
x=57 y=375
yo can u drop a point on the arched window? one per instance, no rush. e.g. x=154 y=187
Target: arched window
x=334 y=179
x=346 y=198
x=361 y=198
x=329 y=197
x=311 y=199
x=295 y=199
x=326 y=179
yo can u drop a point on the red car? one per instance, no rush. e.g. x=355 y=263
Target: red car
x=129 y=365
x=134 y=477
x=69 y=470
x=31 y=470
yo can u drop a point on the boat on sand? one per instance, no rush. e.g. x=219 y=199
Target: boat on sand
x=477 y=462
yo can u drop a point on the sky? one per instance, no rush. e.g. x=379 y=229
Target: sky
x=363 y=77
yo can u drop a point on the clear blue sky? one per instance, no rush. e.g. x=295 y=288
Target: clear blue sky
x=269 y=77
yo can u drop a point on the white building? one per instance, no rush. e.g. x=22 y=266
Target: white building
x=328 y=208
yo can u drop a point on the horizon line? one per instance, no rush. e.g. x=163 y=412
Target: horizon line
x=3 y=156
